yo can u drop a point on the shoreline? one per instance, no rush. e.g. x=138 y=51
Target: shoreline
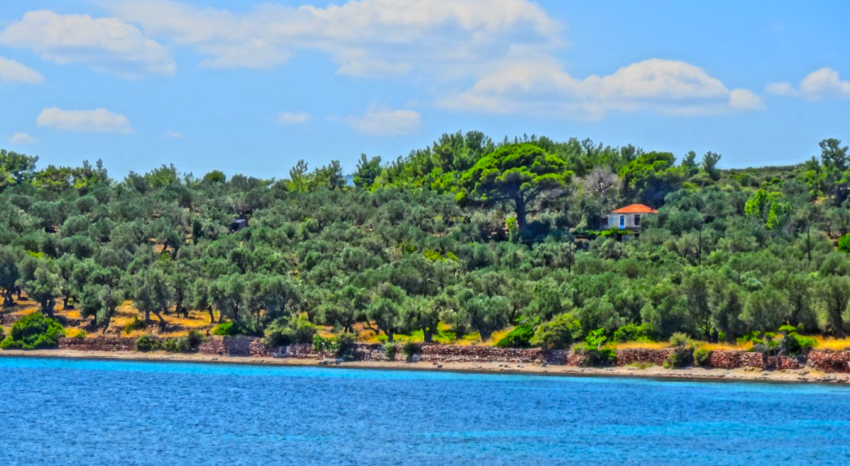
x=798 y=376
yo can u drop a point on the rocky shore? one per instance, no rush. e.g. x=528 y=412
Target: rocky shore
x=818 y=366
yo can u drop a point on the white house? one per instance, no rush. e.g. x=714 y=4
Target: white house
x=627 y=218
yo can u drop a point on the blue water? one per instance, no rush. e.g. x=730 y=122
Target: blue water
x=102 y=412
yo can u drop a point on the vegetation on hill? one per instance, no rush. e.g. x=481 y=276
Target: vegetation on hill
x=468 y=235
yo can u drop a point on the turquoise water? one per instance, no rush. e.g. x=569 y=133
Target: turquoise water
x=104 y=412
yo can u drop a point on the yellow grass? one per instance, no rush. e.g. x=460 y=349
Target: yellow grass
x=835 y=344
x=73 y=332
x=642 y=345
x=727 y=346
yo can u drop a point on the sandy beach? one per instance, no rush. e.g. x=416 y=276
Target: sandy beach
x=805 y=375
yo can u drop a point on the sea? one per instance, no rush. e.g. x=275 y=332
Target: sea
x=81 y=412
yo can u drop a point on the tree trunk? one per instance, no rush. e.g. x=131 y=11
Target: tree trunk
x=427 y=333
x=212 y=316
x=520 y=212
x=65 y=305
x=161 y=320
x=390 y=335
x=106 y=324
x=47 y=307
x=147 y=316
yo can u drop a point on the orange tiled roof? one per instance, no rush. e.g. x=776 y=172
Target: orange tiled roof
x=635 y=209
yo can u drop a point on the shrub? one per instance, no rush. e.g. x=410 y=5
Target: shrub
x=792 y=344
x=146 y=343
x=683 y=352
x=844 y=243
x=226 y=329
x=81 y=335
x=389 y=351
x=186 y=344
x=34 y=331
x=345 y=346
x=409 y=349
x=302 y=330
x=630 y=332
x=595 y=352
x=679 y=340
x=325 y=345
x=558 y=333
x=702 y=356
x=278 y=333
x=195 y=338
x=283 y=331
x=519 y=337
x=135 y=324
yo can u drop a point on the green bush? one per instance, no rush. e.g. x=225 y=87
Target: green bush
x=226 y=329
x=558 y=333
x=147 y=343
x=595 y=352
x=844 y=243
x=519 y=337
x=325 y=345
x=278 y=333
x=345 y=346
x=409 y=349
x=195 y=338
x=81 y=335
x=283 y=331
x=631 y=332
x=186 y=344
x=390 y=351
x=792 y=344
x=302 y=330
x=135 y=324
x=34 y=331
x=702 y=356
x=683 y=352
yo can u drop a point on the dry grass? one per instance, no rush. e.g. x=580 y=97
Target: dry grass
x=727 y=346
x=73 y=332
x=642 y=345
x=834 y=344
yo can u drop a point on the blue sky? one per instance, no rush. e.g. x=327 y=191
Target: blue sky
x=253 y=87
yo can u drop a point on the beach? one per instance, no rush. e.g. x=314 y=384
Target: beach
x=804 y=375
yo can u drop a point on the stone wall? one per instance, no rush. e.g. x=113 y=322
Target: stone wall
x=235 y=346
x=830 y=361
x=637 y=355
x=451 y=353
x=98 y=344
x=827 y=361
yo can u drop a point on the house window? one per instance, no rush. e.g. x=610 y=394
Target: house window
x=622 y=221
x=604 y=221
x=637 y=220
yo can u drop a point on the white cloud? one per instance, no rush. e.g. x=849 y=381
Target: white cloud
x=292 y=118
x=22 y=139
x=171 y=134
x=540 y=86
x=745 y=100
x=364 y=38
x=781 y=89
x=104 y=44
x=12 y=71
x=381 y=121
x=819 y=84
x=99 y=120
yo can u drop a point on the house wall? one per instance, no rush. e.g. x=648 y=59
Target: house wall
x=614 y=220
